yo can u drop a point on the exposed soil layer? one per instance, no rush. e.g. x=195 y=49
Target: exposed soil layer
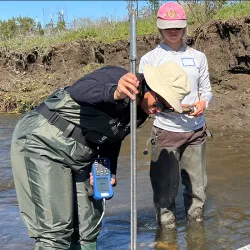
x=28 y=77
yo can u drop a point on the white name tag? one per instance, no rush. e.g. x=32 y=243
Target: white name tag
x=188 y=62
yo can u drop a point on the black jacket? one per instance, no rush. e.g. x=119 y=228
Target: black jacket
x=95 y=94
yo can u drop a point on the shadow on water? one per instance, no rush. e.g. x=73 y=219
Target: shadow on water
x=227 y=213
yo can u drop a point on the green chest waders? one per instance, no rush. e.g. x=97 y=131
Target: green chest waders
x=53 y=200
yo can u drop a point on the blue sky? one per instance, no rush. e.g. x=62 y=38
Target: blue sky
x=43 y=10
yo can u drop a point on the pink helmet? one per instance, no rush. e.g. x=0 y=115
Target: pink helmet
x=171 y=15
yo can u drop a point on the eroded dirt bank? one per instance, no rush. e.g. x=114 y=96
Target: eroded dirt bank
x=27 y=78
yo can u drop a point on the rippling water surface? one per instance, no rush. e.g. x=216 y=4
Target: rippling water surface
x=227 y=215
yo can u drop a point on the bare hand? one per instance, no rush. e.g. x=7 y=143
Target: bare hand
x=199 y=108
x=127 y=86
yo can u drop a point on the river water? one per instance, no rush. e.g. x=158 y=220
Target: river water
x=227 y=212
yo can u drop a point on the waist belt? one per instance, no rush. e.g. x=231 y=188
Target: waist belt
x=68 y=128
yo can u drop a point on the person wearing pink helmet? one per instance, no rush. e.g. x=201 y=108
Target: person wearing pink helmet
x=179 y=139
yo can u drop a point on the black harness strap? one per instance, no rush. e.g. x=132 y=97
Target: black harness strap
x=68 y=128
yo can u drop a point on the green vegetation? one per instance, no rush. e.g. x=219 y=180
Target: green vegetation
x=233 y=11
x=101 y=30
x=23 y=34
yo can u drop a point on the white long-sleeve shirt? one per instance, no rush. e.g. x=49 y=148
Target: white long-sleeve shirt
x=195 y=65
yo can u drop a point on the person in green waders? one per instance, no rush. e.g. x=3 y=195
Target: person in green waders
x=54 y=145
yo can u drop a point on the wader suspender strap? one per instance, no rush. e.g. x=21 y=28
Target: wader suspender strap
x=68 y=128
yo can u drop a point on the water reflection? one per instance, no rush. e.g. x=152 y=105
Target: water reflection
x=196 y=236
x=227 y=211
x=166 y=239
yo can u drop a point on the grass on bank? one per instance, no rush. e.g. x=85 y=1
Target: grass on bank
x=102 y=30
x=110 y=31
x=233 y=11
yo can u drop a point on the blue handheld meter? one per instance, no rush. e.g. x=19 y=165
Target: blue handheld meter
x=102 y=177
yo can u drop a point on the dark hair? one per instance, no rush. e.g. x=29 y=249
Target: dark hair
x=143 y=87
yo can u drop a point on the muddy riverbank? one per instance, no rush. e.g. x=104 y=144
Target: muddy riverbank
x=27 y=78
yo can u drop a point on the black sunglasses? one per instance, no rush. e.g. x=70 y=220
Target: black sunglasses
x=159 y=105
